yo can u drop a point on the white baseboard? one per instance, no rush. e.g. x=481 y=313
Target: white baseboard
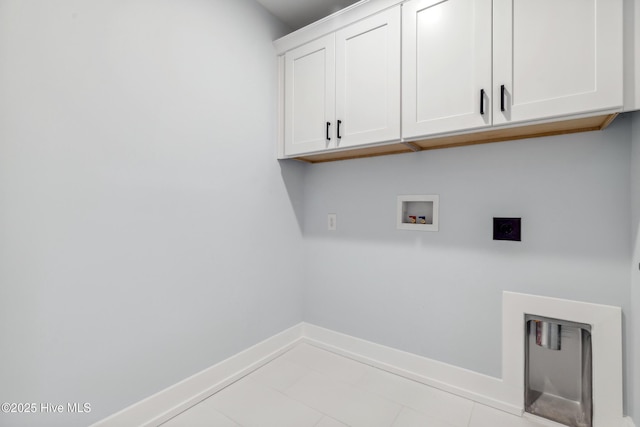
x=173 y=400
x=462 y=382
x=170 y=402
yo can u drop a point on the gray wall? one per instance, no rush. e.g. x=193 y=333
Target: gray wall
x=634 y=343
x=439 y=294
x=143 y=216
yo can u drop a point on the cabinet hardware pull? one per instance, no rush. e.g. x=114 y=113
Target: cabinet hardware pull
x=328 y=137
x=338 y=133
x=482 y=102
x=502 y=90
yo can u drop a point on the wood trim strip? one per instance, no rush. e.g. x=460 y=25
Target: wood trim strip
x=608 y=121
x=586 y=124
x=412 y=146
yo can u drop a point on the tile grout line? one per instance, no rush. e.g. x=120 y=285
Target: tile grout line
x=316 y=345
x=418 y=410
x=282 y=393
x=330 y=417
x=357 y=385
x=225 y=414
x=473 y=408
x=393 y=423
x=304 y=403
x=296 y=400
x=339 y=381
x=324 y=373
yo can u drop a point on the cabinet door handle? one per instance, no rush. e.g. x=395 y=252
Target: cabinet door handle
x=338 y=133
x=502 y=90
x=328 y=137
x=482 y=102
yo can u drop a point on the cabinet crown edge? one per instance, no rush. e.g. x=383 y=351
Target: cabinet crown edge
x=334 y=22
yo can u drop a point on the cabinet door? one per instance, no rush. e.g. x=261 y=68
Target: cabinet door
x=446 y=66
x=310 y=97
x=368 y=80
x=556 y=57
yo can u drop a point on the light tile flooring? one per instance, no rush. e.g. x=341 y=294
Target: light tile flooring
x=311 y=387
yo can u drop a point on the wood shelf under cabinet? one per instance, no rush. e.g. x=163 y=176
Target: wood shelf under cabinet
x=495 y=135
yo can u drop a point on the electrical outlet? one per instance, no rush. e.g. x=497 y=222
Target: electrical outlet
x=331 y=222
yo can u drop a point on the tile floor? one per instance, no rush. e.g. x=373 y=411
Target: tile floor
x=311 y=387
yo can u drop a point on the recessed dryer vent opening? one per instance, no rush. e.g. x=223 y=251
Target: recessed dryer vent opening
x=558 y=371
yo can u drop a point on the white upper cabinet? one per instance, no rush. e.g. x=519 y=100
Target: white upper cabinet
x=389 y=76
x=368 y=80
x=310 y=96
x=446 y=68
x=555 y=58
x=343 y=89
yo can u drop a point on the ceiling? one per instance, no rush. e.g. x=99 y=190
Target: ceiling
x=298 y=13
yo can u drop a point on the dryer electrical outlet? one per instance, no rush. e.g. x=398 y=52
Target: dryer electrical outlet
x=507 y=229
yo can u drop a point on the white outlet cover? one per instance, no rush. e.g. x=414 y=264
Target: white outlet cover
x=332 y=222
